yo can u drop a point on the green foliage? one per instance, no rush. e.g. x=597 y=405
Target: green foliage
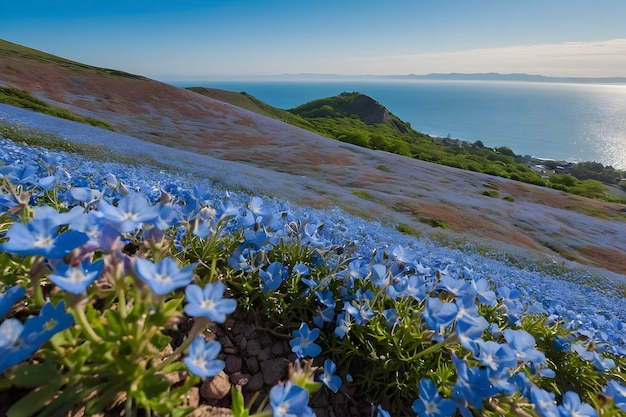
x=363 y=194
x=491 y=193
x=24 y=99
x=596 y=171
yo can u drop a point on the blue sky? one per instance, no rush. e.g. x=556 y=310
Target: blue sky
x=195 y=40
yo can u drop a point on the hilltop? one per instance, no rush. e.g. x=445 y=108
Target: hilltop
x=271 y=157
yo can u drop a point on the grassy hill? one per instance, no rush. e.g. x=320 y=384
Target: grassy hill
x=358 y=119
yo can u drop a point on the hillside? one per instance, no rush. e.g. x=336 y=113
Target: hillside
x=452 y=206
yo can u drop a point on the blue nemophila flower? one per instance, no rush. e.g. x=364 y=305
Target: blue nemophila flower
x=381 y=412
x=618 y=392
x=51 y=320
x=472 y=384
x=573 y=407
x=40 y=237
x=19 y=341
x=600 y=363
x=76 y=277
x=201 y=360
x=545 y=405
x=483 y=292
x=289 y=400
x=273 y=276
x=494 y=356
x=11 y=296
x=430 y=403
x=302 y=343
x=130 y=213
x=209 y=302
x=439 y=314
x=523 y=344
x=360 y=311
x=164 y=277
x=332 y=381
x=343 y=325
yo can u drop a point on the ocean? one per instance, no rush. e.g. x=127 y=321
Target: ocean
x=571 y=122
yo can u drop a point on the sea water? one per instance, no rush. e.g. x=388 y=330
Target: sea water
x=572 y=122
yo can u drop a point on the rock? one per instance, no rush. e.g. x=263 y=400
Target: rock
x=250 y=331
x=278 y=348
x=192 y=399
x=239 y=378
x=241 y=342
x=265 y=354
x=233 y=364
x=229 y=323
x=266 y=340
x=273 y=370
x=256 y=382
x=208 y=411
x=215 y=388
x=253 y=364
x=253 y=347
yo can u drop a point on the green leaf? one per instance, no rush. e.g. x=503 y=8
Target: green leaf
x=237 y=406
x=35 y=400
x=34 y=375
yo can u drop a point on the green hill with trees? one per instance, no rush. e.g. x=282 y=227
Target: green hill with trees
x=358 y=119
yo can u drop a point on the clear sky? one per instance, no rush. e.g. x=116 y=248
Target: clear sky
x=205 y=39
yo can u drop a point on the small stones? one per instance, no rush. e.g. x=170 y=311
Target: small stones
x=239 y=378
x=256 y=382
x=253 y=364
x=233 y=364
x=265 y=354
x=241 y=342
x=273 y=370
x=278 y=348
x=216 y=388
x=253 y=348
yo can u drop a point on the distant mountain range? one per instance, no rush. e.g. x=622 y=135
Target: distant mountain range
x=487 y=76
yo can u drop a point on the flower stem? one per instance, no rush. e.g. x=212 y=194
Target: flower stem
x=198 y=326
x=82 y=319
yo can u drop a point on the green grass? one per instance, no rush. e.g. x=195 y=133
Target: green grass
x=12 y=49
x=363 y=194
x=23 y=99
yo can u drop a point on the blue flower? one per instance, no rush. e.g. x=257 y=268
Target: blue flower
x=11 y=296
x=19 y=341
x=209 y=302
x=618 y=392
x=472 y=384
x=201 y=360
x=545 y=405
x=573 y=407
x=381 y=412
x=361 y=311
x=430 y=403
x=523 y=344
x=332 y=381
x=76 y=278
x=494 y=356
x=343 y=325
x=51 y=320
x=289 y=400
x=439 y=314
x=164 y=277
x=40 y=237
x=272 y=277
x=131 y=212
x=302 y=343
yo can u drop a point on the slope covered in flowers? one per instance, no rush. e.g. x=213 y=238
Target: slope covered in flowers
x=419 y=328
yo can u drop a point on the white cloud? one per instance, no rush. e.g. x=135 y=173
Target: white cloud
x=585 y=59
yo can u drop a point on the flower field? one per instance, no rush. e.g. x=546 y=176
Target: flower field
x=102 y=263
